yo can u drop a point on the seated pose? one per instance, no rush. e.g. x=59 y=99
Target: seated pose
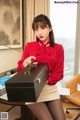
x=45 y=50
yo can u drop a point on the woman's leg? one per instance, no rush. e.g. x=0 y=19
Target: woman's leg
x=41 y=111
x=56 y=109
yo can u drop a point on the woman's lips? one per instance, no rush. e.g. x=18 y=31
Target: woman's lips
x=41 y=37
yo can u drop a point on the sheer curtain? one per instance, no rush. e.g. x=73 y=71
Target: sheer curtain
x=33 y=8
x=77 y=44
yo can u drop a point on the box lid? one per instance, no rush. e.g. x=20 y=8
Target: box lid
x=23 y=79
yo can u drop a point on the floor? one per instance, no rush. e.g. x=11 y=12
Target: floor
x=73 y=113
x=14 y=113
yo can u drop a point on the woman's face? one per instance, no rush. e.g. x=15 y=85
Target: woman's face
x=42 y=32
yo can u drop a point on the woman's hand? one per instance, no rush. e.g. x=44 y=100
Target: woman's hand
x=28 y=61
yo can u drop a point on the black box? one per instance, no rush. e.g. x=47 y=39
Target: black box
x=27 y=85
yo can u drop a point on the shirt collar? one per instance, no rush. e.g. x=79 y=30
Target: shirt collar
x=42 y=44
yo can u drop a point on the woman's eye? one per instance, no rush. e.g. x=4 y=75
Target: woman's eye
x=43 y=27
x=35 y=29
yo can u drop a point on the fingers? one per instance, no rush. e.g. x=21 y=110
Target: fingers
x=28 y=61
x=32 y=57
x=25 y=63
x=35 y=63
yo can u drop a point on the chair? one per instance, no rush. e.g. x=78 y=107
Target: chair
x=74 y=96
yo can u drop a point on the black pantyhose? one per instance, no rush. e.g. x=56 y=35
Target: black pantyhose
x=51 y=110
x=56 y=109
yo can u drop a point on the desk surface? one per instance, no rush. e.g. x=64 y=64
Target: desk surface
x=4 y=100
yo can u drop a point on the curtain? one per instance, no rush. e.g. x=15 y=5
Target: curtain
x=77 y=43
x=33 y=8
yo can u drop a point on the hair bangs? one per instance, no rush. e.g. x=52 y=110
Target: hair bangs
x=41 y=24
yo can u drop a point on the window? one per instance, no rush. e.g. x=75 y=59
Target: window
x=63 y=19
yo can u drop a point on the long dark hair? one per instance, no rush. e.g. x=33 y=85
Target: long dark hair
x=43 y=20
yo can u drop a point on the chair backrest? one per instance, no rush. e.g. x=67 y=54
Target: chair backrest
x=72 y=84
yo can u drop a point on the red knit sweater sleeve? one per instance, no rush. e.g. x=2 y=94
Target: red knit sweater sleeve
x=24 y=56
x=57 y=74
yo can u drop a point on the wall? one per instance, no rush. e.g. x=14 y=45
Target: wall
x=8 y=59
x=10 y=11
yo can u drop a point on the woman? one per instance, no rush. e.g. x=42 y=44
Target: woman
x=45 y=50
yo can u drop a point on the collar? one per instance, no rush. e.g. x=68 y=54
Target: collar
x=42 y=44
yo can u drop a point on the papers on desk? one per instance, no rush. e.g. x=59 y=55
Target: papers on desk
x=62 y=90
x=4 y=79
x=78 y=87
x=2 y=84
x=4 y=96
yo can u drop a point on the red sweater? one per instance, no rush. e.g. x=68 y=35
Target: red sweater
x=53 y=56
